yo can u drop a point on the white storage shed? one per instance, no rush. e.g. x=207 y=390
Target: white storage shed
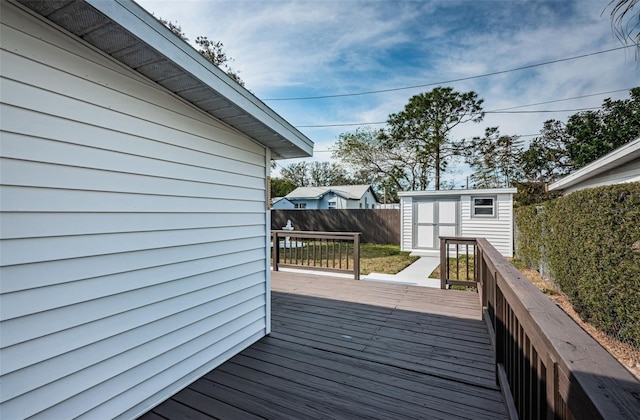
x=134 y=253
x=427 y=215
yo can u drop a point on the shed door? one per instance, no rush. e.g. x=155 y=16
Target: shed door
x=434 y=218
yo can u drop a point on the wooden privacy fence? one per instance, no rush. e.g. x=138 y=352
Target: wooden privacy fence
x=378 y=226
x=323 y=251
x=547 y=366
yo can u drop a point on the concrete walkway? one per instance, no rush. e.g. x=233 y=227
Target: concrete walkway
x=415 y=275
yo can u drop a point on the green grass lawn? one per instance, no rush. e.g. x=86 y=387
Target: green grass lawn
x=383 y=259
x=373 y=258
x=457 y=269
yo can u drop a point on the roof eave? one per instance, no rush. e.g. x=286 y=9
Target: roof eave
x=623 y=154
x=193 y=78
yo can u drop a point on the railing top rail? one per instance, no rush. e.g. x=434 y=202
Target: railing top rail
x=459 y=240
x=312 y=234
x=608 y=385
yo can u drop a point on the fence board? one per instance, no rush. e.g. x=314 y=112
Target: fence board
x=378 y=226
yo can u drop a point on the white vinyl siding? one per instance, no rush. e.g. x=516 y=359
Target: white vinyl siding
x=406 y=231
x=498 y=230
x=419 y=222
x=133 y=253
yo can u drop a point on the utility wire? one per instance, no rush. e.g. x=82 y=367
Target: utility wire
x=302 y=98
x=495 y=111
x=562 y=100
x=542 y=111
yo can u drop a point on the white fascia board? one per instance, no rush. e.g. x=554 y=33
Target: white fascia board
x=616 y=158
x=441 y=193
x=149 y=30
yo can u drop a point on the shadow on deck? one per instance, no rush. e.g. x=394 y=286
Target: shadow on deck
x=350 y=349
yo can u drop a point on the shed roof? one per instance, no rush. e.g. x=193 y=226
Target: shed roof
x=128 y=33
x=618 y=157
x=439 y=193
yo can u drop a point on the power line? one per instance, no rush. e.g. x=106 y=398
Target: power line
x=495 y=111
x=562 y=100
x=543 y=111
x=302 y=98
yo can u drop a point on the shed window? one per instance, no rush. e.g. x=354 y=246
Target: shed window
x=484 y=207
x=301 y=205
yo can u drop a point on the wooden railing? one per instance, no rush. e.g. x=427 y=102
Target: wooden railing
x=460 y=257
x=322 y=251
x=546 y=365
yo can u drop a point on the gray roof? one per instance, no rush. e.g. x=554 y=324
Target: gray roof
x=353 y=192
x=128 y=33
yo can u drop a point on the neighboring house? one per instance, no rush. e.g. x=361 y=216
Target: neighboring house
x=333 y=197
x=135 y=231
x=427 y=215
x=621 y=165
x=282 y=203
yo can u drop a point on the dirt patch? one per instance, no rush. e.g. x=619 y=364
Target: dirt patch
x=624 y=353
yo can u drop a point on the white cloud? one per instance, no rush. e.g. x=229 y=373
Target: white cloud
x=309 y=48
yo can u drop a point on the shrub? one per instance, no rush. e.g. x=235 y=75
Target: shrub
x=591 y=240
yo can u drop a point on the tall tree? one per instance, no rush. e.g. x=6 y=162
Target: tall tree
x=297 y=174
x=315 y=174
x=424 y=126
x=213 y=51
x=281 y=187
x=593 y=134
x=373 y=155
x=546 y=159
x=322 y=174
x=496 y=159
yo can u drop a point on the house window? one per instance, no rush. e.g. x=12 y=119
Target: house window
x=300 y=205
x=331 y=205
x=483 y=206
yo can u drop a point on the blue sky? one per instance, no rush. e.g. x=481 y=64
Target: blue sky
x=285 y=49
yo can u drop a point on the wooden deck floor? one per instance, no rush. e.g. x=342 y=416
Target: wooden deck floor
x=346 y=349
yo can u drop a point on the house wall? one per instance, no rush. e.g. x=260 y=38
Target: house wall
x=283 y=204
x=309 y=204
x=623 y=173
x=368 y=200
x=365 y=202
x=134 y=233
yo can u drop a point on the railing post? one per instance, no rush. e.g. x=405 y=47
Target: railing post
x=444 y=263
x=356 y=256
x=479 y=273
x=276 y=250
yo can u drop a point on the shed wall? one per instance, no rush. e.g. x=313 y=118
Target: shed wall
x=498 y=231
x=134 y=230
x=406 y=218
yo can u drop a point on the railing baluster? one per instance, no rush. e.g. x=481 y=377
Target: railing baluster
x=322 y=251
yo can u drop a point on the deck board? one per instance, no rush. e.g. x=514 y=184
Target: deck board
x=347 y=349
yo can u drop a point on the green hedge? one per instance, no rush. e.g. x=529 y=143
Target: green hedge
x=591 y=242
